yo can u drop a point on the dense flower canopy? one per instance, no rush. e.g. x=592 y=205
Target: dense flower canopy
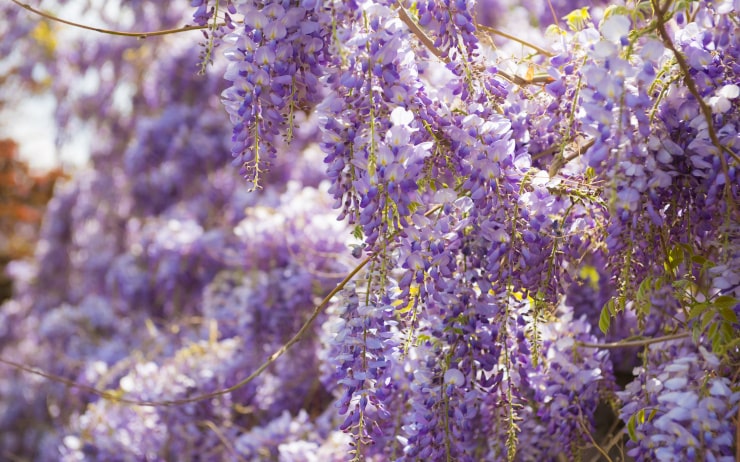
x=383 y=230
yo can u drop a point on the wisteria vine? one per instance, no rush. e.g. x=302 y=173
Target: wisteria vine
x=436 y=240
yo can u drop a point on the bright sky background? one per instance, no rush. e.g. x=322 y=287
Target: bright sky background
x=31 y=122
x=31 y=126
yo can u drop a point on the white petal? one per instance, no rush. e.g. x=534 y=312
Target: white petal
x=454 y=377
x=615 y=27
x=729 y=91
x=400 y=116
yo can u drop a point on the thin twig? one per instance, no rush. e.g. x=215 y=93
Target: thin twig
x=111 y=396
x=552 y=10
x=545 y=153
x=501 y=33
x=225 y=441
x=140 y=35
x=590 y=437
x=521 y=81
x=403 y=15
x=578 y=149
x=691 y=85
x=634 y=343
x=615 y=439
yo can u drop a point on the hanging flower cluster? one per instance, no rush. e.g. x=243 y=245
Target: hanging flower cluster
x=446 y=248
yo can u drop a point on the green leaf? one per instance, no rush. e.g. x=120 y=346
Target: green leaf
x=699 y=260
x=697 y=310
x=695 y=334
x=686 y=248
x=725 y=301
x=728 y=314
x=682 y=285
x=675 y=258
x=645 y=286
x=605 y=319
x=706 y=319
x=611 y=306
x=712 y=334
x=716 y=343
x=357 y=232
x=631 y=428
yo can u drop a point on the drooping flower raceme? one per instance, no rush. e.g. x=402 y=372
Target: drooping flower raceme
x=275 y=61
x=509 y=211
x=678 y=408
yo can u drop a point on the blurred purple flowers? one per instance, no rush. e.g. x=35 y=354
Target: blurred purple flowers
x=508 y=212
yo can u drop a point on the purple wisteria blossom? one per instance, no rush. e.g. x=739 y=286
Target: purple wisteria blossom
x=454 y=243
x=679 y=407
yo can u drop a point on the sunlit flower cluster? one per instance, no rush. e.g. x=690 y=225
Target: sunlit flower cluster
x=443 y=250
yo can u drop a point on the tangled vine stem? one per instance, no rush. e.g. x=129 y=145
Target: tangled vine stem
x=111 y=396
x=420 y=34
x=402 y=13
x=404 y=16
x=596 y=445
x=139 y=35
x=501 y=33
x=690 y=84
x=227 y=444
x=633 y=343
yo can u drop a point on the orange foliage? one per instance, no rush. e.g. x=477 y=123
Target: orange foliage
x=23 y=197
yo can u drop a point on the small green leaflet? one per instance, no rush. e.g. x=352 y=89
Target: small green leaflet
x=605 y=318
